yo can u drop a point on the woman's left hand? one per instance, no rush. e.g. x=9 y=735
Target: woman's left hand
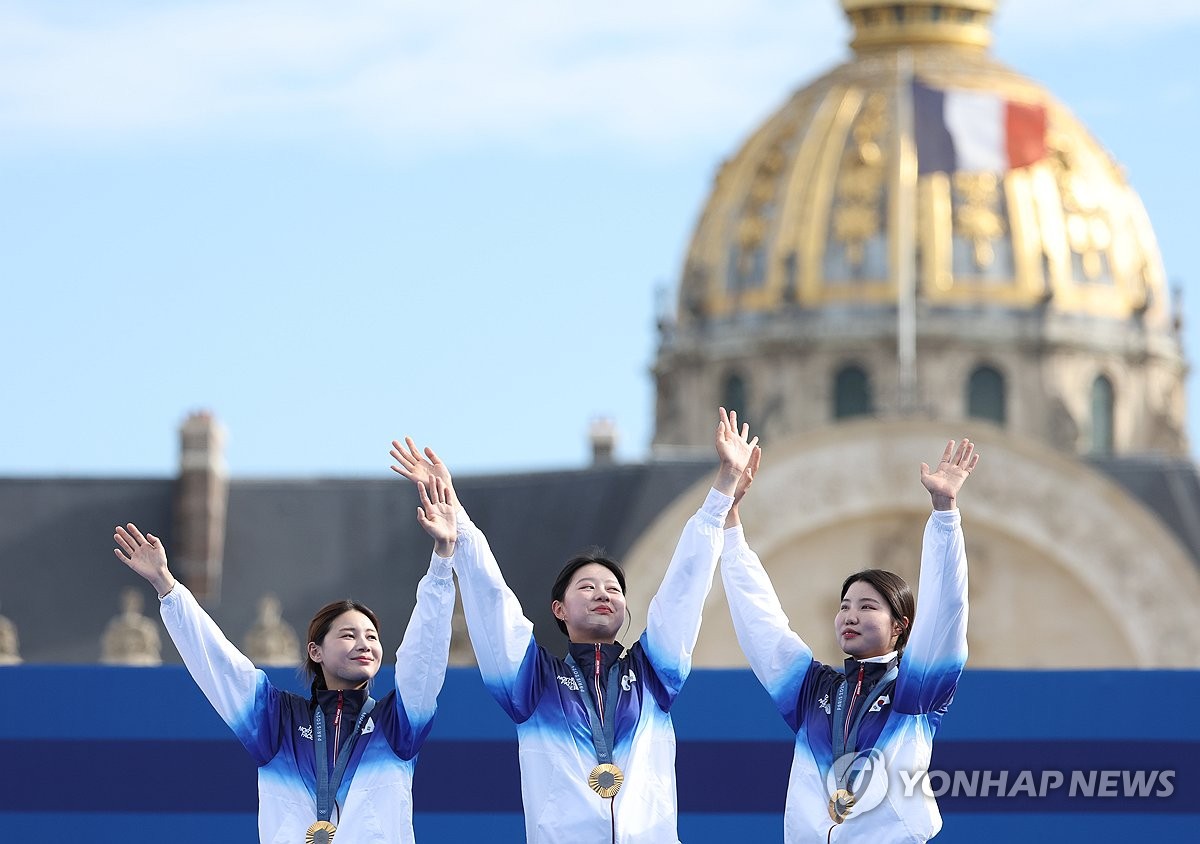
x=958 y=460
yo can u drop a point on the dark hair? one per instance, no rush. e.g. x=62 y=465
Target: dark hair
x=319 y=627
x=583 y=558
x=896 y=592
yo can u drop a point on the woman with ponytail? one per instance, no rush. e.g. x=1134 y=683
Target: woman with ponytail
x=336 y=760
x=864 y=730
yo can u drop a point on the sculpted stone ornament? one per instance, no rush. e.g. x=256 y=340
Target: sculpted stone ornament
x=9 y=648
x=131 y=638
x=272 y=641
x=857 y=218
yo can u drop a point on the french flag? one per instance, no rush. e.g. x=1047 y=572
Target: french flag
x=975 y=131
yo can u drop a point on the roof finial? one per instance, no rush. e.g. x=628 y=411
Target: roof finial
x=908 y=23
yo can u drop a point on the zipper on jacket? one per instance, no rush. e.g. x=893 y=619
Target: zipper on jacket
x=337 y=726
x=850 y=709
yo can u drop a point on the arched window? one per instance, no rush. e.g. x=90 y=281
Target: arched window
x=1102 y=416
x=851 y=393
x=985 y=395
x=735 y=395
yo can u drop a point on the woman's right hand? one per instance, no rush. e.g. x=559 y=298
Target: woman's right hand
x=145 y=555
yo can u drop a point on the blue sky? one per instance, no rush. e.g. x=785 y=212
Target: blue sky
x=332 y=224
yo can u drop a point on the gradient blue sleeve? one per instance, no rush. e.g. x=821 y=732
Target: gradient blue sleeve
x=240 y=693
x=509 y=657
x=673 y=618
x=779 y=658
x=422 y=656
x=937 y=648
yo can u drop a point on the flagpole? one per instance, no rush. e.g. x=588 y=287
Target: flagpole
x=904 y=253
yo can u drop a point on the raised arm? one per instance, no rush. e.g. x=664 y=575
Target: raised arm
x=777 y=655
x=673 y=618
x=422 y=656
x=501 y=635
x=937 y=648
x=240 y=693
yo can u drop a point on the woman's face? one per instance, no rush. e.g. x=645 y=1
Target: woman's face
x=350 y=653
x=593 y=606
x=864 y=625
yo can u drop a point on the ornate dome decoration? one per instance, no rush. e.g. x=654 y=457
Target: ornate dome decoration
x=806 y=213
x=962 y=23
x=826 y=227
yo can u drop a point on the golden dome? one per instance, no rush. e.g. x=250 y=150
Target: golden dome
x=823 y=203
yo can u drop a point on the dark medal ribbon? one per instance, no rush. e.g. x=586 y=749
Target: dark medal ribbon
x=843 y=798
x=321 y=832
x=606 y=778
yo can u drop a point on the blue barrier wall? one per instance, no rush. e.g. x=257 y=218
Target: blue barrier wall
x=137 y=755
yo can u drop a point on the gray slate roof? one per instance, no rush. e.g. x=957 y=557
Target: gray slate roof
x=307 y=541
x=310 y=541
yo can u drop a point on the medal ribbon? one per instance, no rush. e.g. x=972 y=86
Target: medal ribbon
x=327 y=784
x=845 y=736
x=603 y=726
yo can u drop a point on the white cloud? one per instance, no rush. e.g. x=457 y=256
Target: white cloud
x=426 y=74
x=443 y=72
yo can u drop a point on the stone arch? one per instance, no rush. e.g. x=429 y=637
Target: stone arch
x=1067 y=569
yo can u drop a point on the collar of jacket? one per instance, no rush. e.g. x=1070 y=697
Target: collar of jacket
x=585 y=656
x=874 y=670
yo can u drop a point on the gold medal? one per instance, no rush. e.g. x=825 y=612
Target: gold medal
x=840 y=804
x=606 y=780
x=320 y=832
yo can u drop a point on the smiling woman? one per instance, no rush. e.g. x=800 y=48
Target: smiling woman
x=597 y=743
x=861 y=729
x=588 y=599
x=343 y=645
x=338 y=760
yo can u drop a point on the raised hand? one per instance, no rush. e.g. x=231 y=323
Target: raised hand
x=421 y=469
x=734 y=449
x=747 y=477
x=145 y=555
x=734 y=516
x=437 y=516
x=958 y=460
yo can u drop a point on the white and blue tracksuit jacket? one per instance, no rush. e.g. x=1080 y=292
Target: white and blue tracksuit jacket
x=540 y=694
x=375 y=799
x=900 y=725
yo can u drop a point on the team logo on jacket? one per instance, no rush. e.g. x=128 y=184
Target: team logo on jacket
x=368 y=727
x=305 y=731
x=823 y=703
x=628 y=680
x=880 y=703
x=569 y=682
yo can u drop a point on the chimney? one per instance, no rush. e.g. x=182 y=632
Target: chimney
x=201 y=495
x=603 y=436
